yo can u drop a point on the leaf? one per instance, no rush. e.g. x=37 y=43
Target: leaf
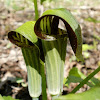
x=95 y=81
x=92 y=94
x=19 y=80
x=7 y=98
x=87 y=47
x=72 y=27
x=42 y=1
x=76 y=76
x=45 y=0
x=90 y=19
x=1 y=98
x=96 y=36
x=24 y=84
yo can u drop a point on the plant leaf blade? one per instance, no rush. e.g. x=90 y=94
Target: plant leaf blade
x=92 y=94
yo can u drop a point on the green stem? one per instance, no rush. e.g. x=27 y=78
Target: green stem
x=54 y=96
x=35 y=98
x=86 y=80
x=44 y=94
x=36 y=10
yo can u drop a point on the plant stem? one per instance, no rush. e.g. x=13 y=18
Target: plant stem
x=86 y=80
x=54 y=96
x=44 y=94
x=35 y=98
x=36 y=9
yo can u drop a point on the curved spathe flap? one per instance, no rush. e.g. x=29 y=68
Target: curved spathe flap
x=50 y=22
x=23 y=34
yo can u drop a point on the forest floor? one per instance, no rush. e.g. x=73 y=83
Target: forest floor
x=12 y=66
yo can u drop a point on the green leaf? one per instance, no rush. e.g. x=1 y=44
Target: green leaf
x=24 y=84
x=86 y=47
x=92 y=94
x=95 y=81
x=42 y=1
x=90 y=76
x=97 y=37
x=19 y=80
x=1 y=98
x=76 y=76
x=90 y=19
x=7 y=98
